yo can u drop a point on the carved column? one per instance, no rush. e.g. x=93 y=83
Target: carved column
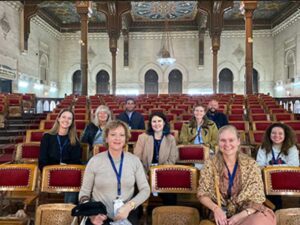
x=248 y=8
x=30 y=10
x=215 y=47
x=215 y=10
x=126 y=47
x=83 y=9
x=114 y=12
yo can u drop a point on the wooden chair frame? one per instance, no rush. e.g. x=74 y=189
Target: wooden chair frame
x=19 y=153
x=193 y=178
x=205 y=154
x=29 y=134
x=45 y=187
x=269 y=170
x=56 y=208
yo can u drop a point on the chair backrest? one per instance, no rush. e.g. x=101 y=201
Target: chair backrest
x=282 y=180
x=54 y=214
x=18 y=177
x=261 y=125
x=289 y=216
x=34 y=135
x=62 y=178
x=193 y=153
x=256 y=137
x=175 y=215
x=173 y=179
x=28 y=152
x=135 y=135
x=98 y=148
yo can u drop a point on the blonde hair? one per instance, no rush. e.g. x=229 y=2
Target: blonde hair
x=72 y=129
x=113 y=125
x=102 y=108
x=230 y=128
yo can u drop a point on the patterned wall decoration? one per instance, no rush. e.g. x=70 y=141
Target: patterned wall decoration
x=160 y=11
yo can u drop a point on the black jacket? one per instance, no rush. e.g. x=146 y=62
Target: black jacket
x=50 y=151
x=136 y=122
x=219 y=118
x=89 y=134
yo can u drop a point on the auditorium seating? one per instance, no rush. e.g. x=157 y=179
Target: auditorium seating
x=54 y=214
x=175 y=215
x=189 y=154
x=290 y=216
x=27 y=152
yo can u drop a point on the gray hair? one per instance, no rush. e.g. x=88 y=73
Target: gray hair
x=101 y=108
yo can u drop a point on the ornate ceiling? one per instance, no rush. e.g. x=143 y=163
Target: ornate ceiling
x=147 y=15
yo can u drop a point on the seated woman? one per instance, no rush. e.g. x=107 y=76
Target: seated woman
x=200 y=129
x=278 y=147
x=157 y=146
x=92 y=134
x=231 y=185
x=60 y=145
x=110 y=177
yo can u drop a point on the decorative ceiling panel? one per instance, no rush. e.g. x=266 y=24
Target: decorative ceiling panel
x=65 y=12
x=160 y=11
x=265 y=10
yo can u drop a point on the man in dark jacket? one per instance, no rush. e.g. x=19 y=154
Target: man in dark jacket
x=134 y=119
x=219 y=118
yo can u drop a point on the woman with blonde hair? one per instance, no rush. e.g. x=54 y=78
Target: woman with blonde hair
x=200 y=130
x=111 y=177
x=231 y=185
x=60 y=145
x=92 y=134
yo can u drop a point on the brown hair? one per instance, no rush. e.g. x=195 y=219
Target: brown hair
x=206 y=121
x=113 y=124
x=72 y=129
x=288 y=142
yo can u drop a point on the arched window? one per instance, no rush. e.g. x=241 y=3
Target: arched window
x=290 y=64
x=77 y=82
x=255 y=81
x=102 y=82
x=225 y=81
x=175 y=82
x=151 y=82
x=43 y=67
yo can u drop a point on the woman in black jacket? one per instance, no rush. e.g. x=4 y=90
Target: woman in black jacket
x=92 y=134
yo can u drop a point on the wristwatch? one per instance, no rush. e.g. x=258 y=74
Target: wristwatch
x=131 y=204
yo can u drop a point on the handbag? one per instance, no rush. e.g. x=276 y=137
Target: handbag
x=87 y=209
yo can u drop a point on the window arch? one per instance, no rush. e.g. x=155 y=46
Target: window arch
x=151 y=82
x=290 y=64
x=225 y=81
x=43 y=67
x=175 y=82
x=76 y=79
x=255 y=80
x=102 y=82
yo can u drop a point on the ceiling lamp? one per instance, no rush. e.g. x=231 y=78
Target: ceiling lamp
x=166 y=52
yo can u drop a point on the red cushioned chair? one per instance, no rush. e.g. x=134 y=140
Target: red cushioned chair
x=282 y=180
x=98 y=148
x=178 y=112
x=18 y=183
x=283 y=116
x=236 y=117
x=261 y=125
x=173 y=179
x=295 y=124
x=27 y=152
x=62 y=178
x=240 y=125
x=34 y=135
x=135 y=135
x=189 y=154
x=256 y=137
x=259 y=117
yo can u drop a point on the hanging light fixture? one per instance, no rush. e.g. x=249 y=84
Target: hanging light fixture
x=166 y=52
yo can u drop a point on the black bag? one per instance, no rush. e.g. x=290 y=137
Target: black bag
x=89 y=209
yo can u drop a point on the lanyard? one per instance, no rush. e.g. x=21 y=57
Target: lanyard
x=199 y=135
x=157 y=147
x=231 y=178
x=275 y=160
x=61 y=147
x=118 y=175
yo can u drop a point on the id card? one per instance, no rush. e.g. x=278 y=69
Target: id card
x=118 y=203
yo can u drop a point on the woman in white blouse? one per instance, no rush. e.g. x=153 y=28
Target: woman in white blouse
x=278 y=146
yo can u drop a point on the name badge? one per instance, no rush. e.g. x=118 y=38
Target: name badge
x=118 y=203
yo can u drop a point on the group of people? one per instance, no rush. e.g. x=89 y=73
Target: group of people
x=230 y=184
